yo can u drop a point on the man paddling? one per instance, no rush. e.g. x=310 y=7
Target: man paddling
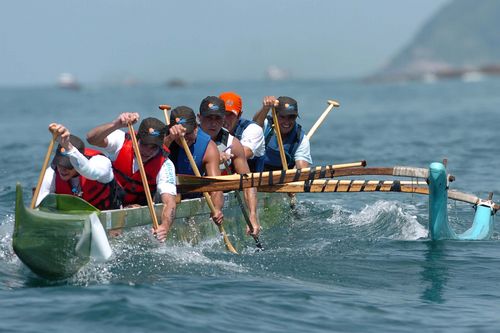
x=204 y=151
x=232 y=154
x=160 y=171
x=295 y=142
x=248 y=132
x=79 y=171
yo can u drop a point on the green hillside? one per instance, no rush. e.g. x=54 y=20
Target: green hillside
x=465 y=34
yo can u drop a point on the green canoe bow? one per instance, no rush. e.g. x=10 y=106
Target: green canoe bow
x=54 y=240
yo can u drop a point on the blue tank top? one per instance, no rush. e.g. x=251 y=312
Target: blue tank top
x=179 y=158
x=272 y=159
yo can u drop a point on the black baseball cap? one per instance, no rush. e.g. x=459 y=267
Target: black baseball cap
x=212 y=105
x=287 y=106
x=61 y=158
x=183 y=115
x=152 y=131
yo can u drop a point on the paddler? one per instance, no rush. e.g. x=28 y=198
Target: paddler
x=247 y=131
x=295 y=142
x=160 y=171
x=80 y=171
x=232 y=153
x=204 y=151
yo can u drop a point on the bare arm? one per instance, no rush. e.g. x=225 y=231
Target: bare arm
x=248 y=152
x=241 y=166
x=211 y=166
x=167 y=216
x=267 y=103
x=299 y=164
x=98 y=135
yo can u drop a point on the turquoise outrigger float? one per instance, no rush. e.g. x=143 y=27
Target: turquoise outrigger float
x=439 y=226
x=59 y=237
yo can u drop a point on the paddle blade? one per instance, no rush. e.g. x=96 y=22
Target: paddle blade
x=100 y=249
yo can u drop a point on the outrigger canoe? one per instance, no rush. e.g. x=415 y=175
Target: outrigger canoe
x=59 y=237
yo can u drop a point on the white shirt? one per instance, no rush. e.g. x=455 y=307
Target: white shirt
x=226 y=149
x=96 y=168
x=303 y=152
x=253 y=138
x=165 y=180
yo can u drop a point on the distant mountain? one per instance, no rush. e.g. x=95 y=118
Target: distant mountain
x=463 y=37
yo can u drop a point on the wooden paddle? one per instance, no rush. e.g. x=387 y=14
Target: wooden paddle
x=44 y=167
x=331 y=104
x=284 y=163
x=258 y=244
x=144 y=178
x=277 y=131
x=207 y=197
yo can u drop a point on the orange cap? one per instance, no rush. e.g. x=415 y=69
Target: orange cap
x=232 y=102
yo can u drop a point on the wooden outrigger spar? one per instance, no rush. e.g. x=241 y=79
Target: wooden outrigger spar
x=270 y=178
x=339 y=186
x=189 y=183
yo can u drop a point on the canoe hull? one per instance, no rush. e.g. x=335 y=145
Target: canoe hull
x=192 y=220
x=54 y=240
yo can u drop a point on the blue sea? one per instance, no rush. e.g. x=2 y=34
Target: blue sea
x=358 y=262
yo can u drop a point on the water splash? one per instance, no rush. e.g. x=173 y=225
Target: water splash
x=7 y=254
x=389 y=219
x=138 y=257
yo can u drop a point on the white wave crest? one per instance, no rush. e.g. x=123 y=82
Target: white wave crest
x=390 y=219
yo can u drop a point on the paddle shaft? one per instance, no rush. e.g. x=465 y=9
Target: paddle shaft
x=320 y=120
x=42 y=172
x=206 y=195
x=258 y=244
x=144 y=178
x=280 y=139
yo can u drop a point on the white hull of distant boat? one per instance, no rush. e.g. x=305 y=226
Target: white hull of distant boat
x=68 y=81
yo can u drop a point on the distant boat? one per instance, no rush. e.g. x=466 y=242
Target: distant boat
x=275 y=73
x=472 y=76
x=176 y=83
x=429 y=78
x=68 y=81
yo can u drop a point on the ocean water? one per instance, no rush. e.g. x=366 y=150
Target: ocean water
x=357 y=262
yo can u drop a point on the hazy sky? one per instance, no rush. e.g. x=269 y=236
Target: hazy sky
x=156 y=40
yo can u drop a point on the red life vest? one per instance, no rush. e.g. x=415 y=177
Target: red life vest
x=131 y=182
x=97 y=194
